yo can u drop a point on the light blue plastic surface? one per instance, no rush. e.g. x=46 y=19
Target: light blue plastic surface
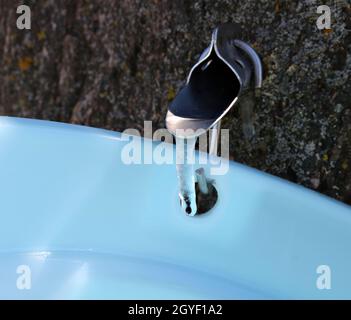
x=89 y=226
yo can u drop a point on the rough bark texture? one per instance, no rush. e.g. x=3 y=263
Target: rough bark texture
x=114 y=64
